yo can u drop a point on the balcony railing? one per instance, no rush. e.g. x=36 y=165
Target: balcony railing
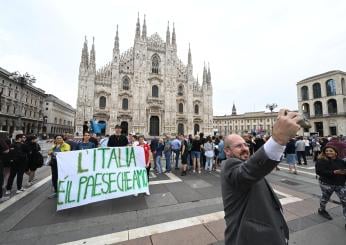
x=340 y=114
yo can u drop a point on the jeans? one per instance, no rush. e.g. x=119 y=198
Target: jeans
x=177 y=153
x=158 y=164
x=168 y=160
x=209 y=163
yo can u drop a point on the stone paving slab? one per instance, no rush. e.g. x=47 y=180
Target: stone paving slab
x=322 y=234
x=217 y=228
x=300 y=224
x=160 y=199
x=183 y=193
x=197 y=183
x=138 y=241
x=194 y=235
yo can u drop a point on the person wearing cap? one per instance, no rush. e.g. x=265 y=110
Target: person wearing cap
x=117 y=139
x=332 y=177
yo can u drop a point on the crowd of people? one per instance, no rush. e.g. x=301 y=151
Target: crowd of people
x=186 y=154
x=22 y=156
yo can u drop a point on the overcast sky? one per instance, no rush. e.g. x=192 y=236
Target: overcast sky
x=257 y=49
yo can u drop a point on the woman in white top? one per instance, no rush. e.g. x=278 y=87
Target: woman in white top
x=209 y=153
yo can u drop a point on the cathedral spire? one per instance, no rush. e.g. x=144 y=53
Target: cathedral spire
x=116 y=44
x=85 y=54
x=174 y=38
x=234 y=110
x=92 y=63
x=204 y=74
x=168 y=35
x=138 y=28
x=209 y=74
x=189 y=58
x=144 y=29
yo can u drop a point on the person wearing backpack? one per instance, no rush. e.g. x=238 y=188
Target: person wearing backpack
x=35 y=159
x=167 y=151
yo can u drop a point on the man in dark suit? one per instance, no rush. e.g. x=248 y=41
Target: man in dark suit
x=253 y=212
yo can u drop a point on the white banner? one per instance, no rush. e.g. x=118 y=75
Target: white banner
x=99 y=174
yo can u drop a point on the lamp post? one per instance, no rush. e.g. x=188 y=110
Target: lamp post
x=271 y=107
x=22 y=80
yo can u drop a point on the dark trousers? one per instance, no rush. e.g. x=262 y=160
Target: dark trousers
x=16 y=170
x=54 y=168
x=1 y=177
x=301 y=154
x=177 y=153
x=148 y=171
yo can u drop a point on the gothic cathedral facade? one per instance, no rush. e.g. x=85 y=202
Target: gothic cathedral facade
x=146 y=89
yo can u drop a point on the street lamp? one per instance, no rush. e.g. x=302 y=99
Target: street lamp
x=271 y=107
x=22 y=80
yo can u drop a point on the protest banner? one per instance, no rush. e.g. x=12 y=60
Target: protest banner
x=99 y=174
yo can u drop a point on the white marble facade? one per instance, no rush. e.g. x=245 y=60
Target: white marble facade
x=146 y=89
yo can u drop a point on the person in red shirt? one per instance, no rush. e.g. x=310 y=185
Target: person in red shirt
x=146 y=148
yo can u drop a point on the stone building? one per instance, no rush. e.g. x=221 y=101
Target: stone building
x=20 y=104
x=146 y=89
x=322 y=99
x=250 y=122
x=58 y=116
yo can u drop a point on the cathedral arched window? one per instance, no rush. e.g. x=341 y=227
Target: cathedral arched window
x=155 y=91
x=330 y=87
x=102 y=102
x=181 y=90
x=181 y=108
x=126 y=83
x=196 y=109
x=125 y=104
x=155 y=64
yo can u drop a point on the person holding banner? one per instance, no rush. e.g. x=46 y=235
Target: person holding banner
x=117 y=139
x=253 y=213
x=86 y=144
x=59 y=146
x=146 y=148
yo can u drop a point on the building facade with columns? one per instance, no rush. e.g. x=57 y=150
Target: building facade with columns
x=260 y=122
x=20 y=104
x=322 y=99
x=147 y=89
x=58 y=116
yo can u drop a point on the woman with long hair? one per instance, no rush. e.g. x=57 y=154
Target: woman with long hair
x=332 y=177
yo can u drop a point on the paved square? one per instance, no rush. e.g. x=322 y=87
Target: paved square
x=160 y=199
x=197 y=183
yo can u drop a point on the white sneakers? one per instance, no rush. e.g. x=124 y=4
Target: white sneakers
x=3 y=199
x=7 y=192
x=20 y=190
